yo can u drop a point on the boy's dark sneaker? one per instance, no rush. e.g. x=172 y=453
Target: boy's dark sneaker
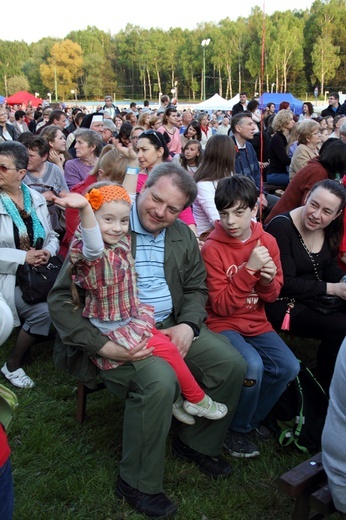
x=240 y=445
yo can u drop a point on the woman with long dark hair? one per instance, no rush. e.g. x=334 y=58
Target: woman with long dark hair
x=169 y=129
x=308 y=238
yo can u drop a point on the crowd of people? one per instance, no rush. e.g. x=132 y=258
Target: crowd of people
x=189 y=239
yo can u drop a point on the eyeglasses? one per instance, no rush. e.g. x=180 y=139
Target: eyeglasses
x=4 y=169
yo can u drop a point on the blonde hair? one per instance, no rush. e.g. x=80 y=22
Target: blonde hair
x=112 y=163
x=282 y=118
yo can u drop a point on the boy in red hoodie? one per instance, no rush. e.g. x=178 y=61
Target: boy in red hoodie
x=243 y=272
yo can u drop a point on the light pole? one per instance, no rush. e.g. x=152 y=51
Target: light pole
x=204 y=44
x=74 y=93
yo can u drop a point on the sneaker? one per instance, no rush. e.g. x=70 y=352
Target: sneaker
x=212 y=410
x=180 y=414
x=261 y=433
x=18 y=377
x=240 y=445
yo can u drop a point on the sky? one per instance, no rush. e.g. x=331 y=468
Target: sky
x=36 y=21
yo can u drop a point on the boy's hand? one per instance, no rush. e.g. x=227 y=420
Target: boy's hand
x=259 y=258
x=268 y=273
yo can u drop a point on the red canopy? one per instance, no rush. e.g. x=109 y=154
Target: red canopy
x=24 y=98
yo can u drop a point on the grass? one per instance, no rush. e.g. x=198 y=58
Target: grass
x=63 y=470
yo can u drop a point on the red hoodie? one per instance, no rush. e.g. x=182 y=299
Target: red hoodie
x=236 y=297
x=4 y=447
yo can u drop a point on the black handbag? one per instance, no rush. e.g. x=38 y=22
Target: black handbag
x=36 y=282
x=326 y=304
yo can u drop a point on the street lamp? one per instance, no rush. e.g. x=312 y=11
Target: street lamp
x=204 y=44
x=74 y=93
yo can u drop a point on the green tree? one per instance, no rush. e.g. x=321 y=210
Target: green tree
x=12 y=57
x=286 y=49
x=99 y=58
x=325 y=59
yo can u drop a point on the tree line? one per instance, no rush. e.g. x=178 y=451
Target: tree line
x=293 y=51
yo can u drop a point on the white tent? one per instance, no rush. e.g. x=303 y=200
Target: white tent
x=214 y=103
x=233 y=101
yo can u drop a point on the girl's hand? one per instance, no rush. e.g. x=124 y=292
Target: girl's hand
x=70 y=200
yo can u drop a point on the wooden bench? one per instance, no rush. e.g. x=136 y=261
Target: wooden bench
x=307 y=484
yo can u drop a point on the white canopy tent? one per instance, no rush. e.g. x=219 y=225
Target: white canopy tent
x=216 y=102
x=233 y=101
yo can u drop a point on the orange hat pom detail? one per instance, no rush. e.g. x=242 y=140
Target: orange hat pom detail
x=98 y=196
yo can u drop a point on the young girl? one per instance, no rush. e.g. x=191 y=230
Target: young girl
x=190 y=157
x=103 y=265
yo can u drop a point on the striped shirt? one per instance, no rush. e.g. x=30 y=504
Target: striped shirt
x=152 y=285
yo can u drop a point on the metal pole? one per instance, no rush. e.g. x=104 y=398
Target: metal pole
x=204 y=96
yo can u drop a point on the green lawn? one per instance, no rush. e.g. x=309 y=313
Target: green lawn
x=63 y=470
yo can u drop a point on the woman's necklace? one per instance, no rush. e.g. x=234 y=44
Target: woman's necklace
x=169 y=131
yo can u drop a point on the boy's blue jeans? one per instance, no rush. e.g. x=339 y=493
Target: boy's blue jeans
x=6 y=491
x=271 y=366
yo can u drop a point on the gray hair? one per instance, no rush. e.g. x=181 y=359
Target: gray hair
x=179 y=177
x=16 y=151
x=343 y=128
x=90 y=137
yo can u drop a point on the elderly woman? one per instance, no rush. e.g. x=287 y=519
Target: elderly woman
x=205 y=128
x=88 y=147
x=279 y=161
x=24 y=222
x=7 y=131
x=309 y=139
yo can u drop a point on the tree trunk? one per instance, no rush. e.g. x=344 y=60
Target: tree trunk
x=220 y=81
x=149 y=84
x=239 y=74
x=158 y=78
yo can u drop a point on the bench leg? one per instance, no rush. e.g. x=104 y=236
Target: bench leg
x=301 y=508
x=81 y=402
